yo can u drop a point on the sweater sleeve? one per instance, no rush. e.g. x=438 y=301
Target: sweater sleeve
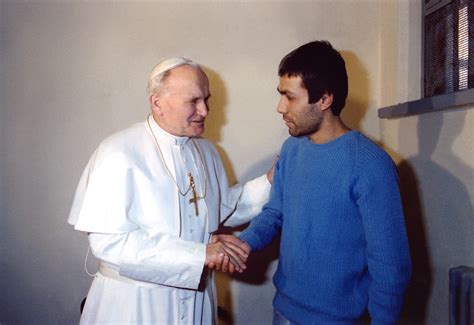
x=378 y=198
x=267 y=224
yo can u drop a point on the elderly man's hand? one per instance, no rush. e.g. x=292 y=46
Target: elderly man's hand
x=227 y=253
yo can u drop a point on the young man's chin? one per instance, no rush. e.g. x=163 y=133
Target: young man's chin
x=293 y=132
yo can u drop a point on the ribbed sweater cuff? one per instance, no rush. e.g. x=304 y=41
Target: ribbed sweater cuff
x=250 y=238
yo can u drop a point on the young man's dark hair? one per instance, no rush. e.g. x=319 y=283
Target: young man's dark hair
x=322 y=70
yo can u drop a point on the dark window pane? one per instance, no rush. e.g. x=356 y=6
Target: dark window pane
x=448 y=48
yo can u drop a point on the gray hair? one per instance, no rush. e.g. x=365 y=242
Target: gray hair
x=162 y=70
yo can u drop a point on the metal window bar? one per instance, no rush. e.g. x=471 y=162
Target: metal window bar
x=448 y=46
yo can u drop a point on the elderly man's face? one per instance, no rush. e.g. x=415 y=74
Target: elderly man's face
x=183 y=102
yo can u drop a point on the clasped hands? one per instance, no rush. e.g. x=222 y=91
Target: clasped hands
x=227 y=253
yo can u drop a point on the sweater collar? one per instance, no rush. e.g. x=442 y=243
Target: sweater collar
x=333 y=143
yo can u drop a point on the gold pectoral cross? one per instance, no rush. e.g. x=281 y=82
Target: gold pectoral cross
x=195 y=196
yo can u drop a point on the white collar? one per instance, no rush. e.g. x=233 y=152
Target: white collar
x=163 y=136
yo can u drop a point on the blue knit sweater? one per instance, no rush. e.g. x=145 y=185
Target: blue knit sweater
x=343 y=241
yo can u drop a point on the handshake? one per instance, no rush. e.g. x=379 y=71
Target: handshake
x=227 y=253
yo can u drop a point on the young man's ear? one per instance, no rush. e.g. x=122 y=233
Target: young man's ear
x=155 y=103
x=326 y=101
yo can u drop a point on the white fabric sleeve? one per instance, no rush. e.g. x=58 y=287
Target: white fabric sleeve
x=254 y=195
x=162 y=258
x=104 y=195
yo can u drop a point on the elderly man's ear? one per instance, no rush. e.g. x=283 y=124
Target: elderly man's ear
x=155 y=103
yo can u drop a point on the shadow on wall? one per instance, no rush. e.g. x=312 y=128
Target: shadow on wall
x=216 y=119
x=357 y=102
x=218 y=101
x=438 y=216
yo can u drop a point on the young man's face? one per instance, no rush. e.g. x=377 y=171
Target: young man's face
x=300 y=117
x=182 y=105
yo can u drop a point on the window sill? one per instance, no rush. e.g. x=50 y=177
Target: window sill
x=430 y=104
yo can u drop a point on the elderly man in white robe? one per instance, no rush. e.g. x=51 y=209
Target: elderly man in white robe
x=150 y=198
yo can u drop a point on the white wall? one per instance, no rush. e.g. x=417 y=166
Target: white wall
x=76 y=71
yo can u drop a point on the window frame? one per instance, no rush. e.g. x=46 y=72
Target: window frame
x=448 y=101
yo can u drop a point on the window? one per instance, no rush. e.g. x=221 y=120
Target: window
x=448 y=46
x=448 y=60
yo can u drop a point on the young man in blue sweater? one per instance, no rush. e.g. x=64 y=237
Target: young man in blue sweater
x=335 y=199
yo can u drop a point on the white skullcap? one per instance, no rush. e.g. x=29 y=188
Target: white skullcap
x=169 y=64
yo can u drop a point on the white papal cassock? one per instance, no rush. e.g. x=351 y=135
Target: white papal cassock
x=151 y=243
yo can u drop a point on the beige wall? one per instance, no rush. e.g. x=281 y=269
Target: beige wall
x=435 y=157
x=74 y=72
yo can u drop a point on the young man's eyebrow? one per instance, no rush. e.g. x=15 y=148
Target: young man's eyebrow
x=285 y=92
